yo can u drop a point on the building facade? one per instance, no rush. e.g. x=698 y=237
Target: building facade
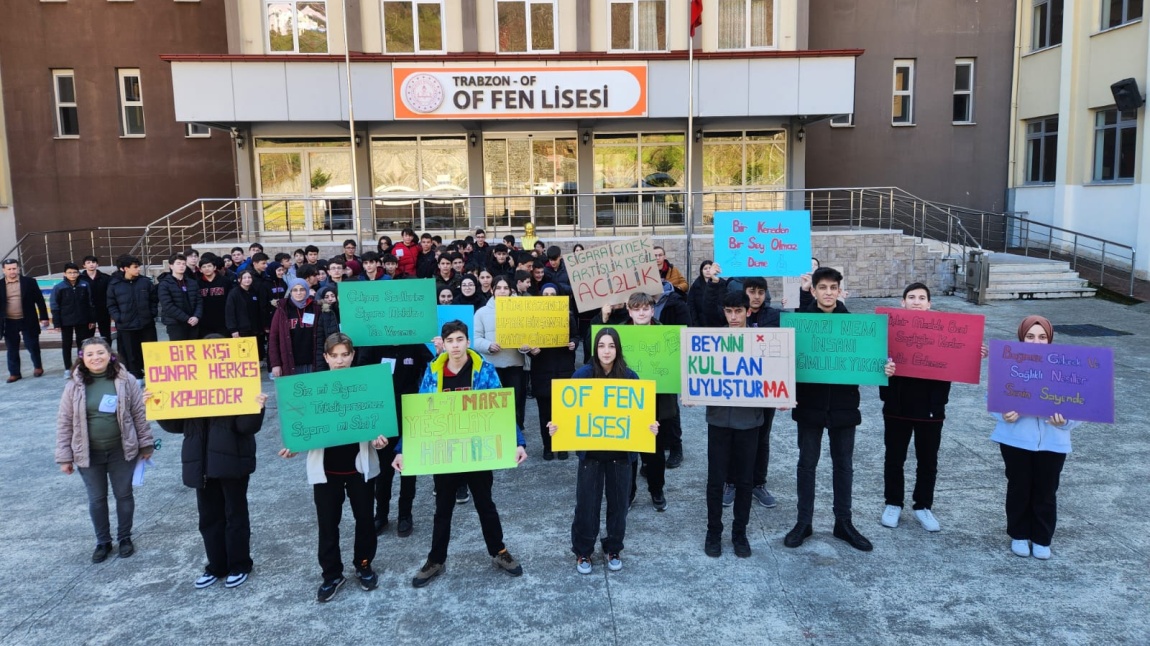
x=569 y=114
x=932 y=99
x=1077 y=158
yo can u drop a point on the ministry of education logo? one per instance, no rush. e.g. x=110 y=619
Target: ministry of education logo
x=423 y=93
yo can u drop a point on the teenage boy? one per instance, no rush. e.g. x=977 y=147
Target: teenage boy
x=193 y=258
x=425 y=261
x=460 y=368
x=350 y=262
x=500 y=263
x=480 y=250
x=390 y=266
x=834 y=407
x=409 y=364
x=180 y=300
x=669 y=272
x=335 y=270
x=133 y=305
x=214 y=288
x=73 y=312
x=732 y=433
x=372 y=269
x=336 y=472
x=311 y=254
x=98 y=282
x=555 y=271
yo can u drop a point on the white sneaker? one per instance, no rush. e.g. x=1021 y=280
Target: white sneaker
x=927 y=519
x=1041 y=551
x=1021 y=548
x=890 y=516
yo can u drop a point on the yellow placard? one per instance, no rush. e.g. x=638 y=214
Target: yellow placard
x=603 y=415
x=202 y=378
x=537 y=321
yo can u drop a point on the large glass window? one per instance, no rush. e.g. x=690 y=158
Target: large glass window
x=131 y=103
x=412 y=26
x=420 y=182
x=67 y=114
x=639 y=179
x=526 y=26
x=746 y=24
x=1046 y=24
x=1042 y=150
x=1115 y=132
x=638 y=25
x=305 y=184
x=1117 y=12
x=902 y=106
x=744 y=171
x=296 y=26
x=530 y=179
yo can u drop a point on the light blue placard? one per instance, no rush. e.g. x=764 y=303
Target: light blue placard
x=445 y=313
x=763 y=243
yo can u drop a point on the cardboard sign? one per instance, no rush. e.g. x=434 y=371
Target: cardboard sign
x=935 y=345
x=388 y=312
x=751 y=367
x=608 y=274
x=763 y=243
x=603 y=415
x=202 y=378
x=446 y=314
x=458 y=431
x=537 y=321
x=335 y=407
x=652 y=351
x=792 y=287
x=839 y=348
x=1041 y=380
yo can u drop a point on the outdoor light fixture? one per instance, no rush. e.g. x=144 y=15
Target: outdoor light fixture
x=472 y=139
x=358 y=140
x=239 y=137
x=586 y=137
x=801 y=133
x=698 y=135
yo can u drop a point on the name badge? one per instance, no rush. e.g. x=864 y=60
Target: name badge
x=308 y=318
x=108 y=404
x=390 y=362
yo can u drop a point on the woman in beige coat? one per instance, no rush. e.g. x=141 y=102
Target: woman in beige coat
x=101 y=430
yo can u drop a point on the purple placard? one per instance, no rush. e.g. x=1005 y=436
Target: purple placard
x=1034 y=379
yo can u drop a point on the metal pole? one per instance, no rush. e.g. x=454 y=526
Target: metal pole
x=1102 y=277
x=690 y=140
x=1132 y=266
x=351 y=130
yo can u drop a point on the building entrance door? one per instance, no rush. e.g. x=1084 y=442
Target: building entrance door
x=530 y=178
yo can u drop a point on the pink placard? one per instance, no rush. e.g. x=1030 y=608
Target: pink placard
x=935 y=345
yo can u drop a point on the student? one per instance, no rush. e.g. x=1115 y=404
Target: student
x=218 y=456
x=372 y=267
x=180 y=300
x=409 y=363
x=390 y=266
x=508 y=362
x=426 y=261
x=244 y=311
x=383 y=245
x=132 y=303
x=407 y=253
x=1034 y=451
x=480 y=250
x=311 y=254
x=460 y=368
x=668 y=272
x=523 y=284
x=446 y=276
x=73 y=313
x=469 y=293
x=548 y=364
x=336 y=270
x=335 y=472
x=602 y=473
x=446 y=295
x=98 y=283
x=458 y=264
x=697 y=293
x=555 y=271
x=327 y=323
x=485 y=279
x=214 y=289
x=291 y=344
x=834 y=407
x=500 y=262
x=352 y=263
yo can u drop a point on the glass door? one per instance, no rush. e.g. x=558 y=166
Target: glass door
x=530 y=178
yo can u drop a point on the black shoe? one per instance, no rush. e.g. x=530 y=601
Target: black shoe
x=101 y=553
x=643 y=470
x=742 y=546
x=126 y=548
x=426 y=573
x=799 y=533
x=659 y=501
x=846 y=531
x=462 y=495
x=675 y=460
x=713 y=546
x=403 y=528
x=549 y=455
x=368 y=579
x=327 y=591
x=561 y=455
x=380 y=525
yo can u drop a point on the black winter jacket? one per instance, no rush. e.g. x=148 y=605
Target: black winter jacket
x=99 y=286
x=178 y=304
x=72 y=304
x=244 y=312
x=915 y=399
x=216 y=447
x=132 y=303
x=826 y=405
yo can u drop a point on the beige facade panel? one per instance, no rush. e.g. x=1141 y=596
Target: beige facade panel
x=1038 y=83
x=1114 y=55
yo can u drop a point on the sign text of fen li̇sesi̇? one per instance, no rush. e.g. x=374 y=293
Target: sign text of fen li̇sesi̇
x=839 y=348
x=424 y=92
x=202 y=378
x=603 y=415
x=763 y=243
x=388 y=312
x=608 y=274
x=336 y=407
x=1041 y=380
x=652 y=351
x=540 y=321
x=935 y=345
x=738 y=366
x=458 y=431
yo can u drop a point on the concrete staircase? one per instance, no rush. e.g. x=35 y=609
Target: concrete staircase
x=1021 y=277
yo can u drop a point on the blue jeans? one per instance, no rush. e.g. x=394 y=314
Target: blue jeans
x=595 y=479
x=105 y=466
x=842 y=441
x=12 y=331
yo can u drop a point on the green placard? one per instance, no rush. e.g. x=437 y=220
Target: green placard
x=839 y=348
x=388 y=312
x=652 y=351
x=454 y=432
x=334 y=407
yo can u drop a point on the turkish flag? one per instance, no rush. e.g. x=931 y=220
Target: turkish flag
x=696 y=15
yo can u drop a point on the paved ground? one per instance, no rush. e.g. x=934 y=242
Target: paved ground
x=961 y=585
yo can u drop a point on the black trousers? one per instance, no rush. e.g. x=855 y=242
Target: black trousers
x=595 y=479
x=181 y=332
x=514 y=377
x=104 y=325
x=1031 y=493
x=479 y=482
x=656 y=464
x=328 y=510
x=730 y=457
x=225 y=525
x=383 y=486
x=842 y=444
x=927 y=438
x=68 y=333
x=763 y=449
x=132 y=349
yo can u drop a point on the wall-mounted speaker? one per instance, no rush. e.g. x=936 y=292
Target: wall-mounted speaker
x=1126 y=95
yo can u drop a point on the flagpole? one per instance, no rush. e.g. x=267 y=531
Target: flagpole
x=690 y=210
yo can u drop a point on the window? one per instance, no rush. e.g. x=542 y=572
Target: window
x=1046 y=24
x=638 y=25
x=746 y=24
x=412 y=26
x=843 y=121
x=1118 y=12
x=639 y=179
x=67 y=115
x=297 y=26
x=534 y=177
x=131 y=103
x=1041 y=150
x=902 y=111
x=305 y=184
x=526 y=26
x=197 y=131
x=420 y=182
x=1114 y=152
x=744 y=171
x=963 y=90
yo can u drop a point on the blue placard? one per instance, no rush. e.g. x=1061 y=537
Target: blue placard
x=763 y=243
x=465 y=313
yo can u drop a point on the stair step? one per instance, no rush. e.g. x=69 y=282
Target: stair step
x=1016 y=282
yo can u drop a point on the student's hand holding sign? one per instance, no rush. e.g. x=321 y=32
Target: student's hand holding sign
x=379 y=442
x=889 y=367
